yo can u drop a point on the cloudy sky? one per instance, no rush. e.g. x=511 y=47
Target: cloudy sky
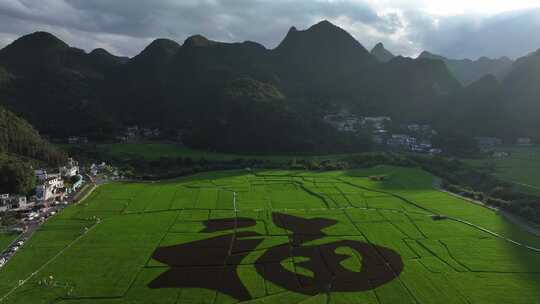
x=457 y=28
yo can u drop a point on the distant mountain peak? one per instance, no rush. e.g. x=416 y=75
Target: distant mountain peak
x=161 y=47
x=429 y=55
x=381 y=53
x=198 y=41
x=100 y=52
x=163 y=43
x=103 y=55
x=324 y=24
x=318 y=34
x=536 y=53
x=36 y=41
x=156 y=53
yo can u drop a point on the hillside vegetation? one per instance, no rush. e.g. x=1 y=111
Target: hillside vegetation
x=218 y=93
x=18 y=137
x=205 y=87
x=20 y=147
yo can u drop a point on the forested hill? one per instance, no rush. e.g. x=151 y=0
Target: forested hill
x=468 y=71
x=381 y=53
x=64 y=91
x=21 y=147
x=18 y=137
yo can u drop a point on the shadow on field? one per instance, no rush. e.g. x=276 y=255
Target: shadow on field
x=394 y=178
x=209 y=263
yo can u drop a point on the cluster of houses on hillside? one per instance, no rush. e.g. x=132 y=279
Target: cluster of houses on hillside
x=136 y=133
x=53 y=185
x=77 y=140
x=9 y=202
x=104 y=169
x=489 y=145
x=49 y=186
x=345 y=122
x=411 y=137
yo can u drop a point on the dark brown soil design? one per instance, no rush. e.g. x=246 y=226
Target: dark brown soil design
x=211 y=263
x=207 y=263
x=380 y=265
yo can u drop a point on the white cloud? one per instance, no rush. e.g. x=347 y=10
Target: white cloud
x=455 y=7
x=481 y=7
x=458 y=28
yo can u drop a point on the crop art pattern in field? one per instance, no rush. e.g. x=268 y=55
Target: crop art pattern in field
x=219 y=261
x=275 y=237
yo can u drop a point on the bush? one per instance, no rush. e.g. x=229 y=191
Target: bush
x=497 y=202
x=377 y=178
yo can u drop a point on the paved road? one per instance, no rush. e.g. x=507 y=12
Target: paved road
x=33 y=225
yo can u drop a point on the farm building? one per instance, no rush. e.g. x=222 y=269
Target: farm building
x=378 y=122
x=524 y=141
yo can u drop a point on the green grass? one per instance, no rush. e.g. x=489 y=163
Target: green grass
x=6 y=238
x=100 y=251
x=522 y=167
x=154 y=151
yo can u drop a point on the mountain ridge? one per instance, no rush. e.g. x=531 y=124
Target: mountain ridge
x=317 y=70
x=381 y=53
x=468 y=71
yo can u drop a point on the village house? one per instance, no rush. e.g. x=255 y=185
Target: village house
x=413 y=127
x=435 y=151
x=377 y=123
x=8 y=202
x=379 y=136
x=500 y=154
x=130 y=134
x=50 y=187
x=343 y=122
x=20 y=202
x=122 y=138
x=95 y=169
x=180 y=134
x=41 y=174
x=401 y=140
x=524 y=141
x=424 y=130
x=422 y=147
x=71 y=169
x=487 y=144
x=5 y=203
x=488 y=141
x=73 y=140
x=151 y=133
x=44 y=193
x=77 y=140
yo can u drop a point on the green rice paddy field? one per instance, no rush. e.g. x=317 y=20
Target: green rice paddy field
x=276 y=237
x=522 y=167
x=6 y=238
x=154 y=151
